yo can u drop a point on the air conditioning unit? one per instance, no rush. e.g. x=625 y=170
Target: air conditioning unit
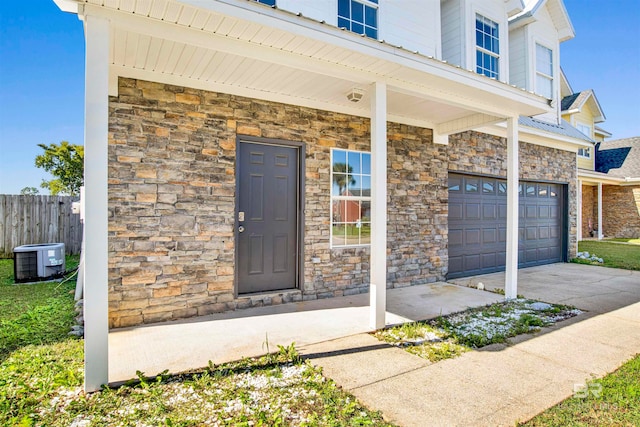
x=36 y=263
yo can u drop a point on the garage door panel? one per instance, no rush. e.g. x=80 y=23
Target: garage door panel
x=455 y=211
x=472 y=262
x=489 y=260
x=489 y=235
x=531 y=211
x=455 y=238
x=489 y=211
x=502 y=233
x=543 y=212
x=472 y=211
x=455 y=263
x=543 y=232
x=502 y=211
x=477 y=224
x=472 y=237
x=531 y=233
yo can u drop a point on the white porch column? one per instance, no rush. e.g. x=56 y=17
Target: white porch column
x=600 y=232
x=579 y=219
x=378 y=262
x=511 y=276
x=96 y=332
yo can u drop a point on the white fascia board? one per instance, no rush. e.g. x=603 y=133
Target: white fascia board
x=474 y=82
x=592 y=178
x=539 y=137
x=69 y=6
x=294 y=24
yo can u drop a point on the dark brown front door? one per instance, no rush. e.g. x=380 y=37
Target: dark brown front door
x=267 y=217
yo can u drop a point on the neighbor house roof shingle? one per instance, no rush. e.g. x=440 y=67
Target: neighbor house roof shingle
x=619 y=158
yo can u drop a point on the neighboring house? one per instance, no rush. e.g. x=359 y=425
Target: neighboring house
x=620 y=161
x=214 y=130
x=608 y=172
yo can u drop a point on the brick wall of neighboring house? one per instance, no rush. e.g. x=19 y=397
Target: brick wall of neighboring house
x=172 y=198
x=621 y=211
x=589 y=210
x=477 y=153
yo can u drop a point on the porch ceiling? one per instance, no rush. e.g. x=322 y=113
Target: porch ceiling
x=248 y=49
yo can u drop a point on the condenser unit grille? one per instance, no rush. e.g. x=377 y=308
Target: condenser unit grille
x=38 y=262
x=26 y=266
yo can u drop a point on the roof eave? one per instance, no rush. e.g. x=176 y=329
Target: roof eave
x=67 y=5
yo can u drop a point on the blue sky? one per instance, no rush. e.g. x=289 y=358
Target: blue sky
x=42 y=76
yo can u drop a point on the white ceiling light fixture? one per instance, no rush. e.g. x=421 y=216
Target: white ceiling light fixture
x=355 y=95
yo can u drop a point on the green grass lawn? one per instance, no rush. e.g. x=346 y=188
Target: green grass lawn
x=41 y=376
x=615 y=255
x=34 y=313
x=611 y=401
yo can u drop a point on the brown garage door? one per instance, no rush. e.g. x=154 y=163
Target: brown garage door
x=478 y=221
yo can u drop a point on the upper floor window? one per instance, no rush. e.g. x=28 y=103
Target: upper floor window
x=269 y=2
x=585 y=129
x=544 y=71
x=584 y=152
x=487 y=47
x=350 y=198
x=359 y=16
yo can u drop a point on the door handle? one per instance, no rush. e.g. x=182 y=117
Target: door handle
x=241 y=229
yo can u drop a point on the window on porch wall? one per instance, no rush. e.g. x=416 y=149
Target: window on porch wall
x=359 y=16
x=487 y=47
x=350 y=198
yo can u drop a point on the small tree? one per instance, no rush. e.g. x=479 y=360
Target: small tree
x=29 y=191
x=66 y=163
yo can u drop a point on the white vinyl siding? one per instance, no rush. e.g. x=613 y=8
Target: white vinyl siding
x=452 y=31
x=518 y=58
x=414 y=25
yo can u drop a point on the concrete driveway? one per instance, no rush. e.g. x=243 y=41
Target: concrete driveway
x=591 y=288
x=501 y=384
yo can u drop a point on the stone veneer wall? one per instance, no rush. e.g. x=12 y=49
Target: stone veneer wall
x=172 y=198
x=477 y=153
x=172 y=201
x=621 y=211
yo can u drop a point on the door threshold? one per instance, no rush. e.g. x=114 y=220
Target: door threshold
x=259 y=299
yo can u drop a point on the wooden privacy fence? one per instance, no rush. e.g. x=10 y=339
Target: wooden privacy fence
x=26 y=220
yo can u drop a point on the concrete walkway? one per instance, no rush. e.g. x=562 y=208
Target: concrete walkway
x=190 y=344
x=500 y=384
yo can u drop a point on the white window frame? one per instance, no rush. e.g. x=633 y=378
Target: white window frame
x=482 y=50
x=543 y=75
x=373 y=4
x=359 y=199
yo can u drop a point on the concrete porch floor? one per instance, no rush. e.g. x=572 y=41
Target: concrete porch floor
x=190 y=344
